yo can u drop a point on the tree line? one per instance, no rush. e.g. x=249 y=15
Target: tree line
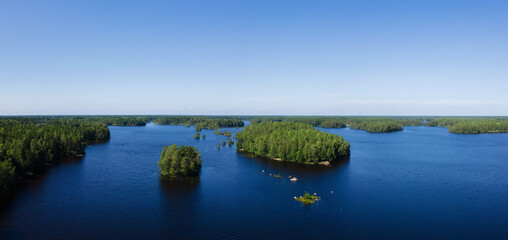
x=291 y=141
x=120 y=120
x=108 y=119
x=371 y=124
x=377 y=126
x=200 y=122
x=28 y=147
x=471 y=125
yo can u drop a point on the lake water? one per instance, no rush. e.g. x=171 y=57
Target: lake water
x=421 y=183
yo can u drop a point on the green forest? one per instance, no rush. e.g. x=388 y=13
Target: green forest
x=471 y=125
x=108 y=120
x=200 y=122
x=325 y=122
x=26 y=147
x=120 y=120
x=370 y=124
x=462 y=125
x=377 y=126
x=179 y=163
x=291 y=141
x=225 y=133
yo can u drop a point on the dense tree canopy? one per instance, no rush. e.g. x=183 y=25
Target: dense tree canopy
x=471 y=125
x=108 y=120
x=179 y=163
x=377 y=126
x=291 y=141
x=200 y=122
x=27 y=146
x=124 y=120
x=372 y=124
x=325 y=122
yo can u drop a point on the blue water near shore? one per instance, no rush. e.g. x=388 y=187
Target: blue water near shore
x=420 y=183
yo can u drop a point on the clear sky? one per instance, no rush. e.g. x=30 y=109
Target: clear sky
x=352 y=57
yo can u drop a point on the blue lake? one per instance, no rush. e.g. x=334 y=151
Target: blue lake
x=421 y=183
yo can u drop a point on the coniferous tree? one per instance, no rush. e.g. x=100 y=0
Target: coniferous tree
x=178 y=163
x=291 y=141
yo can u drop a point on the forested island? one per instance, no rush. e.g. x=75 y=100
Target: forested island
x=179 y=163
x=462 y=125
x=30 y=144
x=471 y=125
x=200 y=122
x=325 y=122
x=370 y=124
x=377 y=126
x=291 y=141
x=307 y=199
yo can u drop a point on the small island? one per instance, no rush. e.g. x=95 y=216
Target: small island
x=225 y=133
x=179 y=163
x=291 y=141
x=307 y=199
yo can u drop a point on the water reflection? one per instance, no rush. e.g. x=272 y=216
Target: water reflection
x=186 y=186
x=297 y=168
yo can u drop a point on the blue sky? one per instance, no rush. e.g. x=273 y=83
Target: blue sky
x=254 y=57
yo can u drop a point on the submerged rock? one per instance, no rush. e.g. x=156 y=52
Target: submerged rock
x=294 y=179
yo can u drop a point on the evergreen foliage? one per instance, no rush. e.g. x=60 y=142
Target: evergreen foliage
x=291 y=141
x=471 y=125
x=307 y=199
x=200 y=122
x=377 y=126
x=118 y=120
x=371 y=124
x=179 y=163
x=28 y=146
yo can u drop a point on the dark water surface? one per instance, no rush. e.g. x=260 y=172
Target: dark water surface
x=421 y=183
